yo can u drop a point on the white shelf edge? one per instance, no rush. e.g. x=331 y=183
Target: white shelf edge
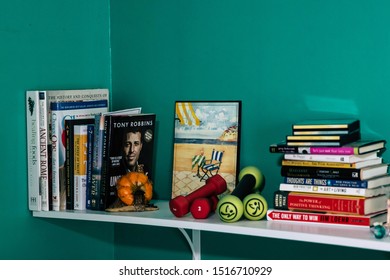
x=347 y=236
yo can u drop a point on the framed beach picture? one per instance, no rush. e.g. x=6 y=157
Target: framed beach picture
x=206 y=143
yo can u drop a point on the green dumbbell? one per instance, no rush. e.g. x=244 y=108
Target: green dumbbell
x=230 y=207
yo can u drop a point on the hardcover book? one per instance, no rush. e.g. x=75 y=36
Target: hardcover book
x=327 y=203
x=332 y=158
x=128 y=145
x=330 y=124
x=335 y=190
x=80 y=167
x=359 y=147
x=33 y=151
x=368 y=184
x=356 y=165
x=93 y=192
x=322 y=140
x=326 y=218
x=206 y=143
x=60 y=111
x=364 y=173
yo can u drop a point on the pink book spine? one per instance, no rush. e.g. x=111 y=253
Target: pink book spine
x=332 y=150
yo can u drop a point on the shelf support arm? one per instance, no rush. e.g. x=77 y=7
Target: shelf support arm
x=193 y=242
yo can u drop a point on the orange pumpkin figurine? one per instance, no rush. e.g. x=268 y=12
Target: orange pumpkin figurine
x=132 y=183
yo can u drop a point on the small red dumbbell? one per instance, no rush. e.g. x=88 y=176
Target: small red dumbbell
x=202 y=207
x=214 y=186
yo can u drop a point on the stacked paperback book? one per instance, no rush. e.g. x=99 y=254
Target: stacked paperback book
x=331 y=175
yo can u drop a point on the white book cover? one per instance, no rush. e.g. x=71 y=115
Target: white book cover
x=333 y=158
x=59 y=112
x=80 y=166
x=33 y=150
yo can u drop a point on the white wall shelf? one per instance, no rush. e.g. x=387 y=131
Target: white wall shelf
x=325 y=234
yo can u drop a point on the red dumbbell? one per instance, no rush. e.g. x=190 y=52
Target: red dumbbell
x=180 y=205
x=202 y=207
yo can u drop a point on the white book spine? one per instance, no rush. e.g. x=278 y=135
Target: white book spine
x=33 y=150
x=334 y=190
x=44 y=156
x=55 y=142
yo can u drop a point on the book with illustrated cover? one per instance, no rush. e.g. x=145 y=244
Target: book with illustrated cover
x=33 y=151
x=327 y=124
x=327 y=203
x=365 y=184
x=60 y=111
x=206 y=143
x=326 y=218
x=364 y=173
x=93 y=192
x=128 y=145
x=359 y=147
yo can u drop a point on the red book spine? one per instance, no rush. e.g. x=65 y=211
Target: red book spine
x=339 y=219
x=326 y=203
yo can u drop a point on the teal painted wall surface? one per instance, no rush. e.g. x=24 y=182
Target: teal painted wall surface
x=46 y=45
x=286 y=60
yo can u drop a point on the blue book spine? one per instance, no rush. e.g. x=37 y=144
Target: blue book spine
x=76 y=105
x=325 y=182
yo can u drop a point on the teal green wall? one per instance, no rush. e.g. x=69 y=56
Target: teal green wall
x=286 y=60
x=46 y=45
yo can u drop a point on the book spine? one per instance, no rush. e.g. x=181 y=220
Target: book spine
x=69 y=166
x=90 y=143
x=318 y=218
x=318 y=164
x=55 y=142
x=33 y=150
x=333 y=150
x=80 y=166
x=326 y=182
x=105 y=187
x=321 y=172
x=323 y=189
x=44 y=155
x=306 y=202
x=97 y=163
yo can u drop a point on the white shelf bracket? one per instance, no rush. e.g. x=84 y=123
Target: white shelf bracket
x=193 y=242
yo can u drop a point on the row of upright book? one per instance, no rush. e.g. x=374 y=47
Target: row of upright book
x=331 y=175
x=77 y=148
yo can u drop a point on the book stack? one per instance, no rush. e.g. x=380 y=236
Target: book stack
x=331 y=175
x=77 y=148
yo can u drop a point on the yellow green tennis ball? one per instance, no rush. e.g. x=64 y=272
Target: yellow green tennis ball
x=230 y=208
x=255 y=207
x=255 y=172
